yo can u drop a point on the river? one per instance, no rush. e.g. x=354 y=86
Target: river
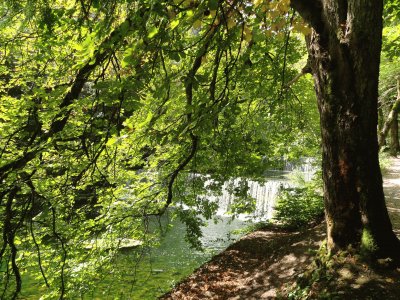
x=162 y=267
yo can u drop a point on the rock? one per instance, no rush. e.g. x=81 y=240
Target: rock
x=103 y=244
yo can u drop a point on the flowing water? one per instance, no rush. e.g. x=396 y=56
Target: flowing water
x=162 y=267
x=264 y=195
x=174 y=259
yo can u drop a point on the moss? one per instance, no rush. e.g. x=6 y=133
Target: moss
x=368 y=245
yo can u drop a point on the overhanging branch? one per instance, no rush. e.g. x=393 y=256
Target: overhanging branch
x=105 y=50
x=305 y=70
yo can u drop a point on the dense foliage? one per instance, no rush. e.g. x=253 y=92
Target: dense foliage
x=113 y=111
x=300 y=205
x=389 y=77
x=109 y=109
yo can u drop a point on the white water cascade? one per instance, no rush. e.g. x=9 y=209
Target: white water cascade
x=265 y=194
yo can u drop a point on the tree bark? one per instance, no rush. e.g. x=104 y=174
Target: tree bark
x=344 y=52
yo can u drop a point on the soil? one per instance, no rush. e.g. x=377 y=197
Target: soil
x=273 y=263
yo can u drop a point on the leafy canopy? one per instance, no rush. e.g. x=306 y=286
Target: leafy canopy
x=113 y=111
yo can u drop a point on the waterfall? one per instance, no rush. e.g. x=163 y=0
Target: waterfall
x=305 y=165
x=265 y=195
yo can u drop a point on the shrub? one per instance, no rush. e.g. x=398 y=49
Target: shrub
x=384 y=162
x=299 y=206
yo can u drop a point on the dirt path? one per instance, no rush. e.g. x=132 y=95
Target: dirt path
x=262 y=263
x=252 y=268
x=391 y=185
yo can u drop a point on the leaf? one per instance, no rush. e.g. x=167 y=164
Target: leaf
x=213 y=4
x=302 y=28
x=128 y=60
x=306 y=30
x=153 y=32
x=174 y=23
x=175 y=56
x=124 y=28
x=231 y=23
x=147 y=121
x=112 y=141
x=96 y=3
x=197 y=24
x=248 y=35
x=257 y=2
x=77 y=46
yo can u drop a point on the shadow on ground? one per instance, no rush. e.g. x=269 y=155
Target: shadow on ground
x=266 y=263
x=254 y=267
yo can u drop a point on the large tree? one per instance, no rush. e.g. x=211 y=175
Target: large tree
x=344 y=51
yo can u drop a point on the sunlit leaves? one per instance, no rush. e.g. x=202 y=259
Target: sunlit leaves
x=248 y=35
x=174 y=23
x=301 y=27
x=171 y=70
x=391 y=41
x=197 y=24
x=391 y=13
x=153 y=31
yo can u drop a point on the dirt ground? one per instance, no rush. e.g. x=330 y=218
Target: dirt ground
x=267 y=263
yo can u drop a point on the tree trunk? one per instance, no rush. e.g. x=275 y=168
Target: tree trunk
x=344 y=51
x=394 y=135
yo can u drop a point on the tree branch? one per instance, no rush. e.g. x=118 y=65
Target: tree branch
x=189 y=101
x=106 y=49
x=305 y=70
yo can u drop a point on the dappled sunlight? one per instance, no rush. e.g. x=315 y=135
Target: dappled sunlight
x=353 y=277
x=264 y=263
x=253 y=268
x=391 y=185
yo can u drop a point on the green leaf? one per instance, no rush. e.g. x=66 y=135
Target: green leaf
x=112 y=141
x=213 y=4
x=174 y=23
x=175 y=56
x=153 y=32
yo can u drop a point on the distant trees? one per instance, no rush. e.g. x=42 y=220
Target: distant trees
x=389 y=79
x=391 y=122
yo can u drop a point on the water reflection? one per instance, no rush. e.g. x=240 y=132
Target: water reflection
x=161 y=267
